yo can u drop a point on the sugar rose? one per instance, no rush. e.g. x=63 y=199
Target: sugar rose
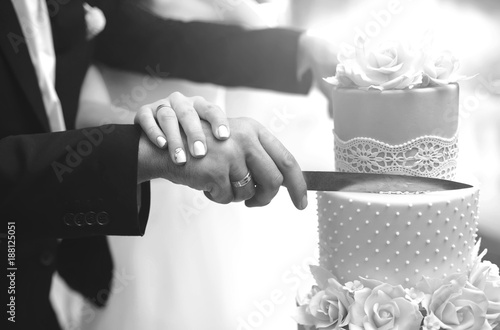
x=384 y=307
x=327 y=309
x=458 y=305
x=391 y=66
x=485 y=276
x=441 y=69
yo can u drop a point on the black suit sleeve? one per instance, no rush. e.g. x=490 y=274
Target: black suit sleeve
x=74 y=183
x=139 y=41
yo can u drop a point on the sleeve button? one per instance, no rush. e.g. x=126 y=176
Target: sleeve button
x=47 y=258
x=90 y=218
x=68 y=219
x=103 y=218
x=79 y=219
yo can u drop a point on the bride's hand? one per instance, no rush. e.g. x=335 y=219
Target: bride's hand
x=251 y=166
x=160 y=121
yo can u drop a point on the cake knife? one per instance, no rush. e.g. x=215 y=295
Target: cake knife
x=376 y=183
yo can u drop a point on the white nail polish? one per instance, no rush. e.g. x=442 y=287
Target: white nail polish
x=180 y=156
x=303 y=203
x=161 y=141
x=223 y=132
x=199 y=148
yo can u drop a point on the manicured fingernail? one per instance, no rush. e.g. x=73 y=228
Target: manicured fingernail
x=223 y=132
x=199 y=148
x=161 y=141
x=180 y=156
x=303 y=204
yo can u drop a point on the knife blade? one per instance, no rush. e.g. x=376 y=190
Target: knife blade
x=376 y=183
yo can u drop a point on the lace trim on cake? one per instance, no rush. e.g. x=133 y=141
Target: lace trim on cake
x=429 y=156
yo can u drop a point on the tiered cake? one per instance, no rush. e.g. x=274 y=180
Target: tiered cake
x=394 y=259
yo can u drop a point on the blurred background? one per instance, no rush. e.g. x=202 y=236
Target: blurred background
x=202 y=265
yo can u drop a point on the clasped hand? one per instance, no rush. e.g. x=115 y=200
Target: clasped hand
x=250 y=148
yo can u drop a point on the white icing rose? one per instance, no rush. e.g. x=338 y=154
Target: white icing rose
x=383 y=307
x=485 y=276
x=441 y=69
x=328 y=308
x=455 y=303
x=391 y=66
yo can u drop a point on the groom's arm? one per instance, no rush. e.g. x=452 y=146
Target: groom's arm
x=74 y=183
x=139 y=41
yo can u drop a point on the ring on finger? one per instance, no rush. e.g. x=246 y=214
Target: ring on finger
x=243 y=182
x=163 y=106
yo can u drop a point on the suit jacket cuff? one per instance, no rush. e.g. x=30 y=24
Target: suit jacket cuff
x=74 y=183
x=106 y=200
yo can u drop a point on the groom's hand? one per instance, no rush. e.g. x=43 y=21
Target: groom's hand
x=251 y=149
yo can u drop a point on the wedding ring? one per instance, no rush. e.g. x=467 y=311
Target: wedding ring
x=163 y=106
x=243 y=182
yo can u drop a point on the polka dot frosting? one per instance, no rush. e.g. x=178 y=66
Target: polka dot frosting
x=397 y=238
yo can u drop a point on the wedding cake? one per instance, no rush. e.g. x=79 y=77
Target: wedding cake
x=395 y=259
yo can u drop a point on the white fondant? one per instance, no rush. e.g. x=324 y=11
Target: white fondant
x=413 y=241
